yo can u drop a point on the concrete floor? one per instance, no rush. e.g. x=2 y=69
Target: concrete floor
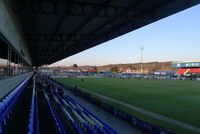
x=6 y=85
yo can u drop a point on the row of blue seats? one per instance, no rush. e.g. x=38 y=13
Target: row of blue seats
x=79 y=118
x=98 y=124
x=84 y=112
x=105 y=127
x=71 y=122
x=33 y=117
x=74 y=116
x=7 y=103
x=56 y=118
x=88 y=122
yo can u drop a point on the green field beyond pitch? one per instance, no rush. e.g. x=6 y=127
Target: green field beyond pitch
x=176 y=99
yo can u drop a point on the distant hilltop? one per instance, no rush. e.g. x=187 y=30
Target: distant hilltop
x=136 y=67
x=127 y=68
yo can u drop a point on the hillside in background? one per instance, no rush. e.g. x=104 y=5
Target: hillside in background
x=129 y=67
x=150 y=66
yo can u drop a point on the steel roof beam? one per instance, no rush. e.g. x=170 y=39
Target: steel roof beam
x=57 y=37
x=76 y=9
x=82 y=26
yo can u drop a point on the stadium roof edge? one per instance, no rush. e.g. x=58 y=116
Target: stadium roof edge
x=56 y=29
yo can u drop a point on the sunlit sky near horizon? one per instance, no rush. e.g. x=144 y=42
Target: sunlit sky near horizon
x=175 y=38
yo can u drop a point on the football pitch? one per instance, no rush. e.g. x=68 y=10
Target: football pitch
x=176 y=99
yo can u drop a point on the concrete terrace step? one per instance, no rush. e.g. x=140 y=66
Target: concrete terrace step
x=6 y=85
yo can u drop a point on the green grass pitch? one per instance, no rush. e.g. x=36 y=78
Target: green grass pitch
x=179 y=100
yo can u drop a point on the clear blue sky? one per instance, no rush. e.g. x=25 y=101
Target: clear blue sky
x=175 y=38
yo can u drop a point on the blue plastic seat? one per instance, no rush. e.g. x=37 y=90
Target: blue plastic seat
x=8 y=99
x=1 y=108
x=30 y=126
x=4 y=101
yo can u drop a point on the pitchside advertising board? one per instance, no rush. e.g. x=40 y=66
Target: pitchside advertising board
x=186 y=64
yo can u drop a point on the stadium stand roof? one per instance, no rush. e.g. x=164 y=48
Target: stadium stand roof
x=187 y=64
x=56 y=29
x=188 y=71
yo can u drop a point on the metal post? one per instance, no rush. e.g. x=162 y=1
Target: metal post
x=15 y=63
x=8 y=62
x=18 y=65
x=22 y=66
